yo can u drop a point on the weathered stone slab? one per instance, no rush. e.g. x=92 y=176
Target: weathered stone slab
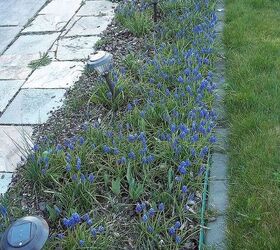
x=90 y=25
x=32 y=106
x=15 y=66
x=217 y=198
x=15 y=143
x=7 y=34
x=32 y=45
x=216 y=235
x=18 y=12
x=7 y=90
x=62 y=8
x=55 y=75
x=54 y=16
x=75 y=48
x=219 y=166
x=43 y=23
x=97 y=8
x=222 y=140
x=5 y=180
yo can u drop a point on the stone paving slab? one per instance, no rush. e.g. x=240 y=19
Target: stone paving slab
x=15 y=142
x=88 y=26
x=75 y=48
x=217 y=198
x=97 y=8
x=5 y=180
x=54 y=16
x=32 y=106
x=7 y=35
x=32 y=45
x=18 y=12
x=44 y=23
x=15 y=66
x=8 y=88
x=216 y=235
x=65 y=8
x=219 y=166
x=221 y=144
x=55 y=75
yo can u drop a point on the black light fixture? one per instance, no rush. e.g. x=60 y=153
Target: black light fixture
x=27 y=233
x=102 y=62
x=155 y=2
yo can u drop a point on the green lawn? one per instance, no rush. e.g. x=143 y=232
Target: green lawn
x=252 y=42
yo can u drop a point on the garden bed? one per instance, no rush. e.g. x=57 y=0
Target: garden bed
x=128 y=173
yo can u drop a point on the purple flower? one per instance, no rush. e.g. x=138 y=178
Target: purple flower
x=93 y=231
x=106 y=149
x=177 y=225
x=145 y=218
x=131 y=155
x=85 y=217
x=60 y=236
x=172 y=230
x=138 y=208
x=184 y=189
x=161 y=207
x=81 y=243
x=83 y=178
x=78 y=163
x=178 y=239
x=89 y=222
x=151 y=212
x=100 y=229
x=150 y=229
x=91 y=178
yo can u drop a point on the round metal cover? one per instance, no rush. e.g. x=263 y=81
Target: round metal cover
x=27 y=233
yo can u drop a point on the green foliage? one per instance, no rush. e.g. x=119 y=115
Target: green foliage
x=44 y=60
x=252 y=101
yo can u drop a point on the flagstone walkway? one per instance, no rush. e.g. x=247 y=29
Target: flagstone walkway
x=65 y=30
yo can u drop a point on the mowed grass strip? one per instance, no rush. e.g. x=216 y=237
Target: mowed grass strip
x=252 y=43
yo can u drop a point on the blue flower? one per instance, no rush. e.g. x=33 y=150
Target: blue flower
x=3 y=211
x=121 y=161
x=83 y=178
x=60 y=236
x=68 y=168
x=81 y=243
x=173 y=128
x=172 y=230
x=213 y=139
x=58 y=147
x=184 y=189
x=138 y=208
x=150 y=229
x=178 y=239
x=145 y=218
x=161 y=207
x=89 y=222
x=106 y=149
x=76 y=217
x=74 y=177
x=131 y=155
x=81 y=140
x=78 y=163
x=85 y=217
x=177 y=225
x=100 y=229
x=93 y=231
x=180 y=79
x=91 y=178
x=151 y=212
x=57 y=210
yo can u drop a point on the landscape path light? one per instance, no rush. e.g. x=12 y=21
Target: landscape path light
x=155 y=2
x=27 y=233
x=102 y=62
